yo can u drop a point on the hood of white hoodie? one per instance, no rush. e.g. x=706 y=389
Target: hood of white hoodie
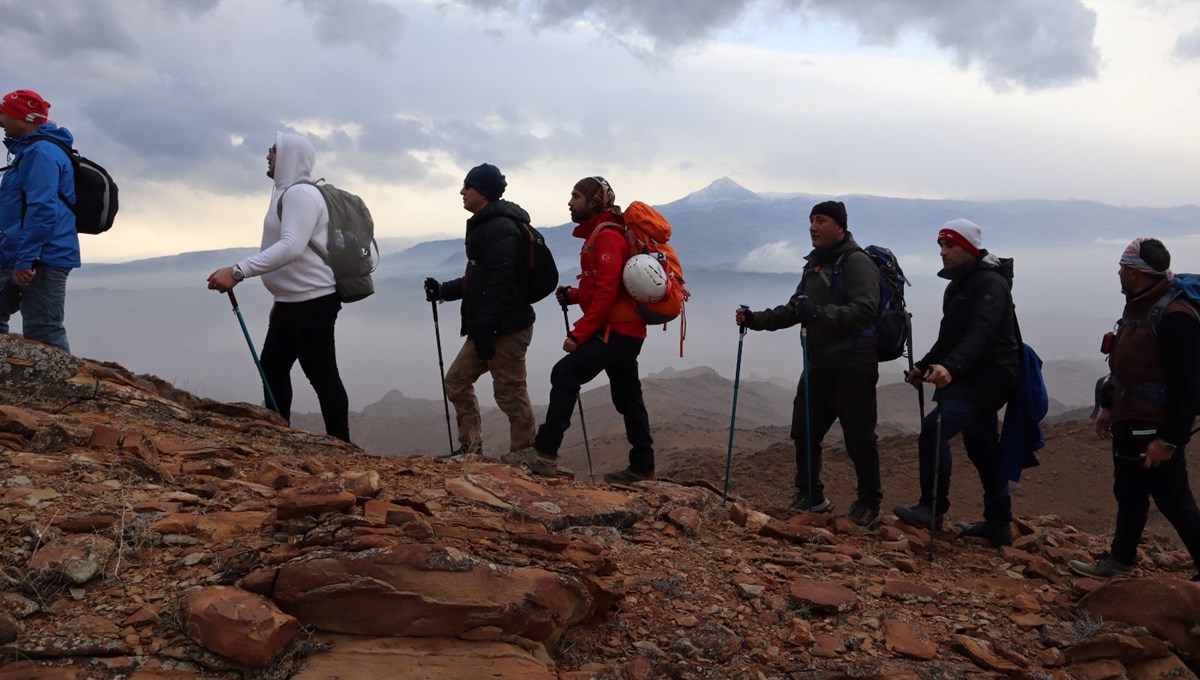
x=295 y=158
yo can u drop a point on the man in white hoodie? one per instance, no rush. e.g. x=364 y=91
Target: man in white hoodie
x=306 y=301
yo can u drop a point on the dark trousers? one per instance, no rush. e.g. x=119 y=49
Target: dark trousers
x=979 y=429
x=1133 y=486
x=618 y=358
x=846 y=394
x=304 y=331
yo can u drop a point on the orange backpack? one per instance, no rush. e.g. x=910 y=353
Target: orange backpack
x=648 y=232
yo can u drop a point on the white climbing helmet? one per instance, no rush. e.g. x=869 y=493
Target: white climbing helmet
x=644 y=278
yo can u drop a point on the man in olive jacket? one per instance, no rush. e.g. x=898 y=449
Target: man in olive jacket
x=973 y=365
x=837 y=301
x=496 y=320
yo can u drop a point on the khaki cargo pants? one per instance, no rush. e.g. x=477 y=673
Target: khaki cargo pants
x=508 y=385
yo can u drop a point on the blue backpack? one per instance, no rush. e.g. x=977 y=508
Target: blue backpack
x=1022 y=435
x=893 y=325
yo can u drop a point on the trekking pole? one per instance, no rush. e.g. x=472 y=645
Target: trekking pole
x=582 y=423
x=912 y=365
x=261 y=373
x=437 y=333
x=807 y=411
x=737 y=376
x=937 y=464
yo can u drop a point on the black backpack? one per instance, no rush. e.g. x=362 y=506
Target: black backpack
x=95 y=204
x=540 y=273
x=349 y=241
x=893 y=325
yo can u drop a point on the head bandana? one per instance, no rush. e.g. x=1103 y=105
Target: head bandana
x=1132 y=257
x=598 y=192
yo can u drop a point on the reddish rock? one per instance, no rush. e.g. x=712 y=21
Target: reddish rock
x=1106 y=669
x=10 y=628
x=407 y=658
x=1167 y=668
x=798 y=533
x=1167 y=607
x=905 y=591
x=686 y=519
x=1123 y=648
x=312 y=501
x=834 y=561
x=715 y=642
x=17 y=420
x=822 y=596
x=799 y=633
x=86 y=524
x=77 y=557
x=981 y=652
x=273 y=474
x=246 y=628
x=362 y=483
x=427 y=590
x=904 y=639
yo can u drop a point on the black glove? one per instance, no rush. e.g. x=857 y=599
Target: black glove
x=805 y=310
x=485 y=346
x=433 y=290
x=563 y=295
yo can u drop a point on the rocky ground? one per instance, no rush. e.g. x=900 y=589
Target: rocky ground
x=149 y=534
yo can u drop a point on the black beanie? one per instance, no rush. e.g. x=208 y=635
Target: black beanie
x=832 y=209
x=487 y=180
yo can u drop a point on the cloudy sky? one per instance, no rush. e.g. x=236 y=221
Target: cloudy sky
x=982 y=99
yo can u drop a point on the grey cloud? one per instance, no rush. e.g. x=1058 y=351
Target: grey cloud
x=64 y=29
x=1188 y=45
x=192 y=8
x=370 y=23
x=1028 y=43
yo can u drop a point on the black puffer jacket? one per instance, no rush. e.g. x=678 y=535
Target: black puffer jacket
x=491 y=287
x=977 y=340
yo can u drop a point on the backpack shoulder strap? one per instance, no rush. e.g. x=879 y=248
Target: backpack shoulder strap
x=279 y=215
x=839 y=267
x=1159 y=308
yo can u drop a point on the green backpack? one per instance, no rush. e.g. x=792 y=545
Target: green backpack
x=349 y=241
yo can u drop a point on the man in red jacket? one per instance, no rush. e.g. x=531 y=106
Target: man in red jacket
x=608 y=337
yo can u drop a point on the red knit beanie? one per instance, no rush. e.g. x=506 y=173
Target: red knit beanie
x=26 y=105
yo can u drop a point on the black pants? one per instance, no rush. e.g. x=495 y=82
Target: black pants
x=1133 y=486
x=304 y=331
x=618 y=358
x=979 y=427
x=846 y=394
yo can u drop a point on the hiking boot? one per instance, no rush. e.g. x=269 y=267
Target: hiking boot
x=1104 y=567
x=919 y=516
x=529 y=457
x=800 y=502
x=627 y=476
x=863 y=514
x=996 y=533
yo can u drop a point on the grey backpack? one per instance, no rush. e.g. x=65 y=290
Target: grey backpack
x=349 y=241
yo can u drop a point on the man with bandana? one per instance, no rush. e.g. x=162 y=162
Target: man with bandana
x=1147 y=406
x=973 y=366
x=38 y=243
x=608 y=337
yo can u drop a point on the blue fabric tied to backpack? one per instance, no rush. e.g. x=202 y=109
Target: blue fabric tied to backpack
x=1021 y=435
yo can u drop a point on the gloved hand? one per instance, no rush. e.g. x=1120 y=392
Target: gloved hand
x=485 y=346
x=433 y=290
x=805 y=310
x=563 y=295
x=743 y=316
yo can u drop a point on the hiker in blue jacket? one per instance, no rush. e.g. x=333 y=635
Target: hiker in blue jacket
x=973 y=366
x=38 y=243
x=1148 y=404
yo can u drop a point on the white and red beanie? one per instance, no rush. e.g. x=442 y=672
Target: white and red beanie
x=964 y=234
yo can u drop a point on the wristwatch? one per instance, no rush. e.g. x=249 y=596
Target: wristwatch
x=238 y=274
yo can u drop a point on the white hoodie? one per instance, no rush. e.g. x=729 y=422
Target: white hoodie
x=290 y=270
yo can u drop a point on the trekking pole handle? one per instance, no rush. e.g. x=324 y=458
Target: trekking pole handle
x=742 y=327
x=232 y=299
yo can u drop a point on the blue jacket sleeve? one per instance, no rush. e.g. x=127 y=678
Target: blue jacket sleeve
x=38 y=172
